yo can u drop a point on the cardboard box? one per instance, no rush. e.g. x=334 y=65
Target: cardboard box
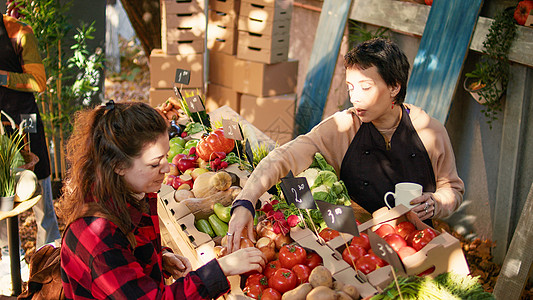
x=182 y=6
x=249 y=39
x=264 y=27
x=221 y=68
x=228 y=6
x=222 y=32
x=158 y=96
x=274 y=115
x=271 y=12
x=184 y=47
x=444 y=252
x=262 y=80
x=163 y=69
x=218 y=96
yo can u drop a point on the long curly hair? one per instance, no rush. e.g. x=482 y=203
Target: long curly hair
x=106 y=138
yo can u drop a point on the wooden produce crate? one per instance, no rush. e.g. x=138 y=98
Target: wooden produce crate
x=231 y=7
x=269 y=11
x=222 y=32
x=163 y=69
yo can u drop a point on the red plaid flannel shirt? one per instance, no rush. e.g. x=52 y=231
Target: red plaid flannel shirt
x=97 y=263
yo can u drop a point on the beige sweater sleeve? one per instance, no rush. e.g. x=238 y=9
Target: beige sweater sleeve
x=331 y=137
x=450 y=188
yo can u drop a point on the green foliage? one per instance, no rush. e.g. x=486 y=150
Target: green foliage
x=72 y=69
x=358 y=32
x=494 y=66
x=10 y=146
x=444 y=286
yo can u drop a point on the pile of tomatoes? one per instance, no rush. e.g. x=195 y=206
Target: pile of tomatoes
x=404 y=238
x=292 y=268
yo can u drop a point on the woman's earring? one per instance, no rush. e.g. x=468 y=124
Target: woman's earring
x=392 y=107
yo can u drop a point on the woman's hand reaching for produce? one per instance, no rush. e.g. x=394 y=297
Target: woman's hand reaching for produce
x=240 y=219
x=425 y=206
x=177 y=266
x=242 y=261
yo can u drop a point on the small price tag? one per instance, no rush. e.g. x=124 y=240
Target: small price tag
x=384 y=251
x=182 y=76
x=195 y=104
x=232 y=130
x=297 y=191
x=249 y=153
x=30 y=124
x=338 y=217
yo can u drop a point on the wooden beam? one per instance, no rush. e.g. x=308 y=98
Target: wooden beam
x=442 y=51
x=517 y=265
x=514 y=123
x=410 y=18
x=321 y=65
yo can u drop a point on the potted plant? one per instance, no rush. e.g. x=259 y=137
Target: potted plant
x=488 y=81
x=10 y=159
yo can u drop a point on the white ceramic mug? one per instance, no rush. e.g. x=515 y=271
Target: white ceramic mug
x=404 y=192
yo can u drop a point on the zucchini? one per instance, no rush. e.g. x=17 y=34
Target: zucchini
x=203 y=226
x=219 y=227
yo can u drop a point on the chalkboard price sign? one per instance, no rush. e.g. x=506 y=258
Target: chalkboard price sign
x=232 y=130
x=384 y=251
x=195 y=104
x=338 y=217
x=182 y=76
x=297 y=191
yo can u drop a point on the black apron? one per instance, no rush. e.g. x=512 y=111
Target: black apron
x=369 y=170
x=15 y=103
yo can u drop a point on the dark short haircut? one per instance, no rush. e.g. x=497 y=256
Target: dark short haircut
x=386 y=56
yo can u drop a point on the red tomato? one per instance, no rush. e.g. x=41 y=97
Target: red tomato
x=405 y=228
x=270 y=294
x=328 y=234
x=384 y=230
x=313 y=260
x=522 y=11
x=426 y=272
x=395 y=241
x=257 y=279
x=422 y=237
x=271 y=268
x=366 y=264
x=291 y=255
x=428 y=2
x=361 y=240
x=406 y=251
x=253 y=291
x=302 y=273
x=352 y=253
x=379 y=262
x=214 y=142
x=283 y=280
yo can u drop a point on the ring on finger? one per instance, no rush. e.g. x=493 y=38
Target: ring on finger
x=229 y=234
x=426 y=206
x=426 y=210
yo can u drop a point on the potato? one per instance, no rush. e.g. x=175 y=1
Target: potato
x=343 y=296
x=321 y=276
x=299 y=293
x=337 y=285
x=351 y=291
x=321 y=293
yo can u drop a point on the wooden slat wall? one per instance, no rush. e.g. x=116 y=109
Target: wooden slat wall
x=410 y=18
x=442 y=51
x=321 y=64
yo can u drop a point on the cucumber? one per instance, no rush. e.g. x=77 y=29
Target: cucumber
x=219 y=227
x=203 y=226
x=222 y=212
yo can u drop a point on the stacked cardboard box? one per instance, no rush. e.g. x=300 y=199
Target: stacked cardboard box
x=253 y=74
x=264 y=30
x=183 y=32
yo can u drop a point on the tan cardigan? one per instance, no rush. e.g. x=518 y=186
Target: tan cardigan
x=333 y=136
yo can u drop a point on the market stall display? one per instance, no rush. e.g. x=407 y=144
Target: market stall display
x=196 y=209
